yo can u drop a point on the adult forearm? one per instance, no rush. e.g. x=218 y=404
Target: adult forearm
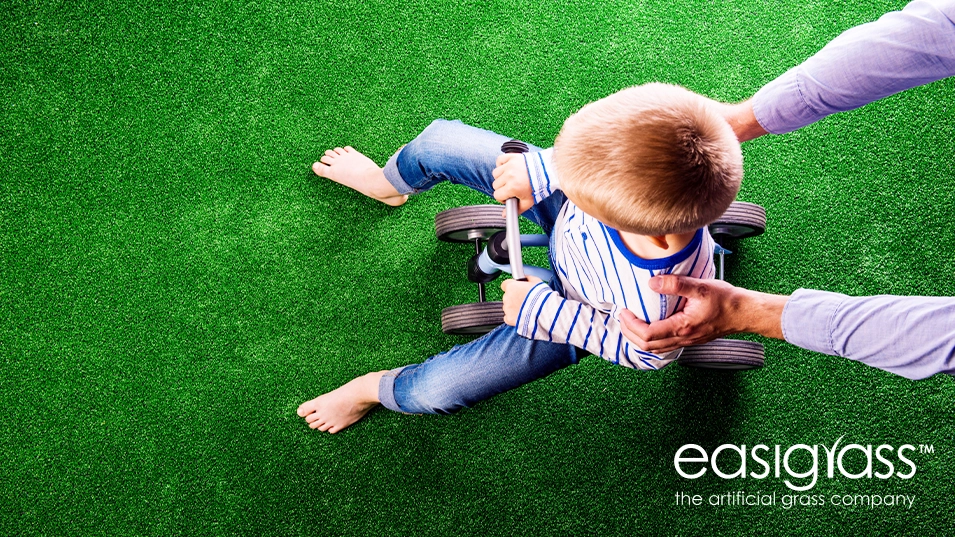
x=743 y=121
x=901 y=50
x=910 y=336
x=758 y=313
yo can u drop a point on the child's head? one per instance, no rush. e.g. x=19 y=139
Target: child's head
x=653 y=160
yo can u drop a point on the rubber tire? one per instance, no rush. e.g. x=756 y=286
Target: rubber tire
x=464 y=224
x=740 y=221
x=472 y=319
x=726 y=354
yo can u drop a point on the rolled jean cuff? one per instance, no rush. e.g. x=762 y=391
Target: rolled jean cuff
x=391 y=174
x=386 y=390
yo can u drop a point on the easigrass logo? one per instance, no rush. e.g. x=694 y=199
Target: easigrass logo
x=761 y=461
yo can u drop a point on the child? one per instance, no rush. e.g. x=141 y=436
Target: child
x=641 y=173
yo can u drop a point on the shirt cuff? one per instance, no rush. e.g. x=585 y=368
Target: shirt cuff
x=780 y=106
x=807 y=319
x=540 y=170
x=531 y=308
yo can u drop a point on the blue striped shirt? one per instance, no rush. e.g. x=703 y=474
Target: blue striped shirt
x=600 y=277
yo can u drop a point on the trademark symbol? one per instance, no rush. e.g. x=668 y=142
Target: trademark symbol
x=926 y=448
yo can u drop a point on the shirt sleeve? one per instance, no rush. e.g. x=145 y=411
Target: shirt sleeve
x=901 y=50
x=547 y=316
x=540 y=169
x=910 y=336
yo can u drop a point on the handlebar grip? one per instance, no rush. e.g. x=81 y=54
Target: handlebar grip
x=514 y=146
x=513 y=232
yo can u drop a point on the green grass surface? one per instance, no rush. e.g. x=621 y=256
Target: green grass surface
x=175 y=281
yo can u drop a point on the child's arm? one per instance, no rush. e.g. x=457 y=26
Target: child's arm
x=541 y=313
x=540 y=168
x=529 y=177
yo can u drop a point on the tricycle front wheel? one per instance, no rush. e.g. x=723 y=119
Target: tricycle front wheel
x=728 y=354
x=465 y=224
x=472 y=319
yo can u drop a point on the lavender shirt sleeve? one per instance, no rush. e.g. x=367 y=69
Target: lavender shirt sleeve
x=910 y=336
x=901 y=50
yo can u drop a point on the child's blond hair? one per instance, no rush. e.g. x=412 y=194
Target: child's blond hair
x=652 y=160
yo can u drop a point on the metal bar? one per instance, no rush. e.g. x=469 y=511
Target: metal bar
x=514 y=241
x=482 y=292
x=488 y=266
x=529 y=239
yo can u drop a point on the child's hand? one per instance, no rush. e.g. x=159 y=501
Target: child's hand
x=514 y=294
x=511 y=181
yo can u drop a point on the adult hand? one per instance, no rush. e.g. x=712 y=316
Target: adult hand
x=713 y=309
x=514 y=294
x=741 y=118
x=511 y=181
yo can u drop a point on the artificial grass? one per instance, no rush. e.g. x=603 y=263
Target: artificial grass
x=175 y=281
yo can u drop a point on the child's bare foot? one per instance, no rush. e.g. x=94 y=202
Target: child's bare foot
x=344 y=406
x=356 y=171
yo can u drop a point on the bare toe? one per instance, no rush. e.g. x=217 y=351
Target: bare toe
x=306 y=408
x=349 y=149
x=331 y=153
x=327 y=160
x=339 y=150
x=320 y=169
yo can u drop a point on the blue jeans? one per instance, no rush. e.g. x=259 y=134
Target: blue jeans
x=500 y=360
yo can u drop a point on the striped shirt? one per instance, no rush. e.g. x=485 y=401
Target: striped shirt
x=600 y=277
